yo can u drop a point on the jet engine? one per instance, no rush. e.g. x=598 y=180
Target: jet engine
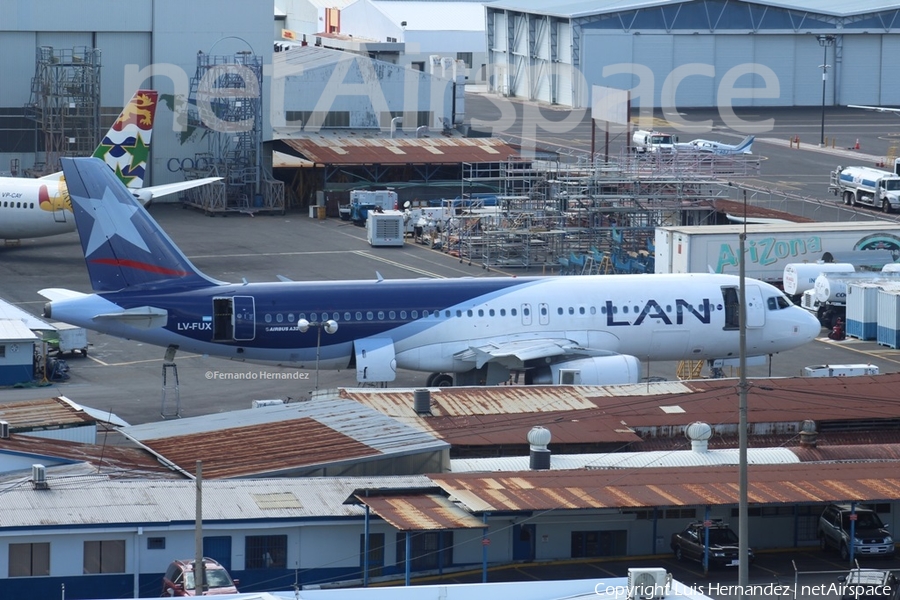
x=595 y=370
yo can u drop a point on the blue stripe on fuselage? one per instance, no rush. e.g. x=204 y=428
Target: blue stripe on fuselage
x=190 y=310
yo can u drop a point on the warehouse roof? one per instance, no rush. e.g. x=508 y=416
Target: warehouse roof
x=252 y=442
x=584 y=8
x=437 y=15
x=651 y=487
x=329 y=148
x=96 y=500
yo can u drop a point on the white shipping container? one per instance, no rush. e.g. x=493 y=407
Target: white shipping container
x=769 y=248
x=840 y=370
x=888 y=318
x=862 y=310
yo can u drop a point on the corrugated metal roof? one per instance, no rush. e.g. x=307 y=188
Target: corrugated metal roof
x=585 y=8
x=49 y=413
x=111 y=459
x=649 y=487
x=420 y=512
x=251 y=442
x=629 y=460
x=78 y=501
x=11 y=311
x=400 y=151
x=14 y=330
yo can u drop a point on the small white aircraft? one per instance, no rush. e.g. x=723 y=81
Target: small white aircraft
x=743 y=147
x=31 y=208
x=881 y=109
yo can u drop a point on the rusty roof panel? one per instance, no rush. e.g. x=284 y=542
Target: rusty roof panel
x=48 y=413
x=109 y=459
x=649 y=487
x=421 y=512
x=279 y=440
x=332 y=150
x=257 y=449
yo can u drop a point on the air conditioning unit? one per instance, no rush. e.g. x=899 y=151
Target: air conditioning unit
x=648 y=583
x=4 y=430
x=39 y=477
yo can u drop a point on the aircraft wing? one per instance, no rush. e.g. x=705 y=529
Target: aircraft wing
x=147 y=194
x=53 y=294
x=880 y=109
x=518 y=352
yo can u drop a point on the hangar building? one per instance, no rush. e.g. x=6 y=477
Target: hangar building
x=689 y=53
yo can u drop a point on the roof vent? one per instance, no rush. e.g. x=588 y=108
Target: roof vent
x=808 y=434
x=4 y=430
x=539 y=457
x=699 y=433
x=39 y=477
x=422 y=401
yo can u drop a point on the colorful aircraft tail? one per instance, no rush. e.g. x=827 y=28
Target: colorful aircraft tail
x=745 y=145
x=126 y=145
x=123 y=246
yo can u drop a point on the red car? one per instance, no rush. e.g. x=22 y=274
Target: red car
x=179 y=579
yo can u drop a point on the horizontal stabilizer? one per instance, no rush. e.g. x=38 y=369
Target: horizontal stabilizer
x=145 y=195
x=54 y=294
x=142 y=317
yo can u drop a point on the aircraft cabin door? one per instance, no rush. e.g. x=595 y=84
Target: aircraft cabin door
x=244 y=318
x=756 y=308
x=375 y=360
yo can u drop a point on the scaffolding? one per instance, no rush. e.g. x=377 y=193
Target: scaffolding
x=580 y=217
x=226 y=105
x=65 y=104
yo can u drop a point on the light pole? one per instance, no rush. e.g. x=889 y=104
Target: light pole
x=824 y=41
x=330 y=326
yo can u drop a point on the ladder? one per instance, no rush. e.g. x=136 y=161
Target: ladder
x=170 y=406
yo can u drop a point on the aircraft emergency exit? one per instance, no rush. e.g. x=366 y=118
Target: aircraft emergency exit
x=31 y=208
x=589 y=329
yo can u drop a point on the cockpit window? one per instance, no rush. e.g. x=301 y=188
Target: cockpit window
x=778 y=303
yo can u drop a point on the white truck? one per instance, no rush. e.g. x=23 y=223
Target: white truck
x=769 y=248
x=867 y=186
x=362 y=201
x=653 y=141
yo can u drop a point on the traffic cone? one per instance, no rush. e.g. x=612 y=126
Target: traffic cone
x=856 y=147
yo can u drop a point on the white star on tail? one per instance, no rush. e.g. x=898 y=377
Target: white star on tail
x=111 y=217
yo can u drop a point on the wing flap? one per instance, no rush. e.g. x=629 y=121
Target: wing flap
x=522 y=351
x=54 y=294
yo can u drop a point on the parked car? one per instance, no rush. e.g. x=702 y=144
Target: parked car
x=871 y=536
x=179 y=579
x=723 y=544
x=866 y=584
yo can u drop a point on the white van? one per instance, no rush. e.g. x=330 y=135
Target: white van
x=653 y=141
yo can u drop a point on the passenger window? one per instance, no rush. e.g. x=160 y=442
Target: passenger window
x=313 y=317
x=469 y=313
x=290 y=317
x=447 y=313
x=370 y=315
x=480 y=312
x=580 y=310
x=415 y=314
x=502 y=312
x=403 y=315
x=571 y=311
x=268 y=318
x=381 y=315
x=425 y=313
x=458 y=313
x=279 y=317
x=392 y=315
x=512 y=311
x=358 y=316
x=346 y=316
x=559 y=310
x=491 y=312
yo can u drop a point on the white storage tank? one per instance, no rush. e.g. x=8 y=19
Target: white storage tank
x=862 y=310
x=799 y=277
x=888 y=332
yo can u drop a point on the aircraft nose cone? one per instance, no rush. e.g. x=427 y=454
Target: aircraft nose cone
x=808 y=326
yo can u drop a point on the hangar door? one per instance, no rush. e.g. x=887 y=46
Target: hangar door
x=861 y=70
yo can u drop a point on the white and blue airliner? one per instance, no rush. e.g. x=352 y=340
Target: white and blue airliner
x=588 y=329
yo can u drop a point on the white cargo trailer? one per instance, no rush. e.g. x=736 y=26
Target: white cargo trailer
x=769 y=248
x=385 y=228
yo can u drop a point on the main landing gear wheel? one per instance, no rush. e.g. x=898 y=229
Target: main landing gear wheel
x=439 y=380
